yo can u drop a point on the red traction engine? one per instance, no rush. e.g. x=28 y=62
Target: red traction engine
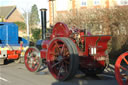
x=66 y=51
x=121 y=69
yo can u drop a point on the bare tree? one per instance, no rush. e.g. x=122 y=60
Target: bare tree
x=113 y=21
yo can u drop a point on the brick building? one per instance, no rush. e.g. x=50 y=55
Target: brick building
x=11 y=14
x=62 y=6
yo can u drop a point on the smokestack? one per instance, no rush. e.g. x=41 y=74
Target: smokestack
x=43 y=23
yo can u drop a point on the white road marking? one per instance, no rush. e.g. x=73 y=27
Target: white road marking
x=3 y=79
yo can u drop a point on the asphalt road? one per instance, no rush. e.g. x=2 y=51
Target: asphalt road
x=17 y=74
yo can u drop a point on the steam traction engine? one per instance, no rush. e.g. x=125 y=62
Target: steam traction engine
x=66 y=51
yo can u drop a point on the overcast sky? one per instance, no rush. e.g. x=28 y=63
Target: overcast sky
x=25 y=4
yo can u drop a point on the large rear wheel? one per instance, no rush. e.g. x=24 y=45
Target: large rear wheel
x=32 y=59
x=121 y=69
x=62 y=58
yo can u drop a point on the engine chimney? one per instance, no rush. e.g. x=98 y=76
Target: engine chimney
x=43 y=23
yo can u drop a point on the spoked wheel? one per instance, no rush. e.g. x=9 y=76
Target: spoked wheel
x=62 y=58
x=121 y=69
x=33 y=59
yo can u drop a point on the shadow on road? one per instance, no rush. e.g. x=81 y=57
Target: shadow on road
x=6 y=62
x=42 y=73
x=81 y=79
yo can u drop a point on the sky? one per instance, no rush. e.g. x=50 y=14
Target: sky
x=25 y=4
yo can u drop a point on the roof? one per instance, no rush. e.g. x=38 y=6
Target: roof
x=6 y=11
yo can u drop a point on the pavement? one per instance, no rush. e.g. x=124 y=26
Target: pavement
x=17 y=74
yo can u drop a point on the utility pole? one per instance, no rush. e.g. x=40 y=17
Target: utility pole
x=27 y=23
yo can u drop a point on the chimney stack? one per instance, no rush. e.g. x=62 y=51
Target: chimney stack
x=43 y=23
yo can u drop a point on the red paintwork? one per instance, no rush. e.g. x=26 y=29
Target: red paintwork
x=43 y=53
x=14 y=54
x=45 y=44
x=102 y=45
x=100 y=42
x=60 y=30
x=117 y=69
x=90 y=42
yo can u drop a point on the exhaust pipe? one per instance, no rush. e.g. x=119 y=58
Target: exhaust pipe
x=43 y=23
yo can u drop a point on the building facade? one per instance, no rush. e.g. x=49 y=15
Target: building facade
x=62 y=6
x=11 y=14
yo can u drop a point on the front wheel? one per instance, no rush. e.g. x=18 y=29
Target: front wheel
x=32 y=59
x=62 y=58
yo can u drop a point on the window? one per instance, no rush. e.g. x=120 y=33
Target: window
x=83 y=2
x=122 y=2
x=62 y=5
x=97 y=2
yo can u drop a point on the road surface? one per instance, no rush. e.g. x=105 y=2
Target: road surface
x=17 y=74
